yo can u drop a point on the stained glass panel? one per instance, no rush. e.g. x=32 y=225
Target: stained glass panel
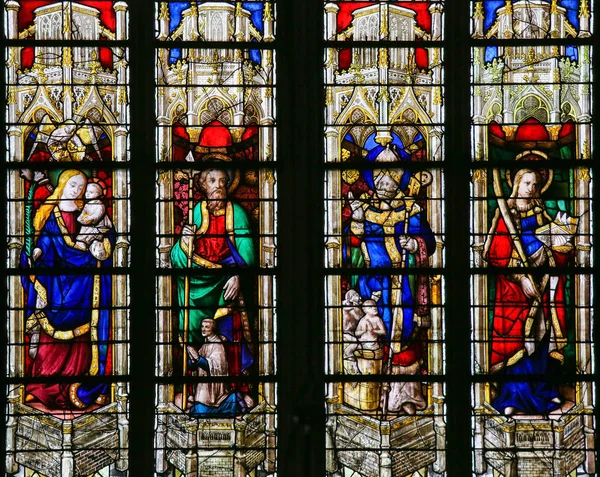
x=370 y=20
x=559 y=440
x=501 y=19
x=67 y=118
x=67 y=20
x=220 y=20
x=532 y=241
x=216 y=245
x=384 y=219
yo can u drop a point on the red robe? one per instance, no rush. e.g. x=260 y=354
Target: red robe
x=512 y=306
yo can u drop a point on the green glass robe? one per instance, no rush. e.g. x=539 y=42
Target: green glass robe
x=206 y=291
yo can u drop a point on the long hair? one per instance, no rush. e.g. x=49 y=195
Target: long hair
x=514 y=195
x=42 y=214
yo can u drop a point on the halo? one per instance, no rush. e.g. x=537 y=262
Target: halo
x=530 y=156
x=101 y=183
x=234 y=175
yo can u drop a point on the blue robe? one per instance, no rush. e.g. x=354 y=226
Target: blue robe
x=376 y=254
x=70 y=300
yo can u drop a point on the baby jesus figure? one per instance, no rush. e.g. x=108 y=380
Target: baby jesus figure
x=94 y=221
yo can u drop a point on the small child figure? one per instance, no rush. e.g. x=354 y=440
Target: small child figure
x=351 y=310
x=370 y=327
x=93 y=218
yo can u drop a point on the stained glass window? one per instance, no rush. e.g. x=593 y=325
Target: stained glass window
x=249 y=238
x=67 y=120
x=216 y=234
x=531 y=236
x=384 y=135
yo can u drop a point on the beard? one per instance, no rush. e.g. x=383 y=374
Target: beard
x=216 y=199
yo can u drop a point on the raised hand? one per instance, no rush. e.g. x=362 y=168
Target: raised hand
x=37 y=253
x=192 y=353
x=358 y=213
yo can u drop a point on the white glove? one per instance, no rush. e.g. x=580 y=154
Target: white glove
x=408 y=243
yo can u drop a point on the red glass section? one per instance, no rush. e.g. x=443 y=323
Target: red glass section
x=215 y=135
x=532 y=130
x=27 y=7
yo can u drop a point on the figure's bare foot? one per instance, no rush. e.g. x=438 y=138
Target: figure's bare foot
x=556 y=400
x=409 y=408
x=509 y=411
x=29 y=398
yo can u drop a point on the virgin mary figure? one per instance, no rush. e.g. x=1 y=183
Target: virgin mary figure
x=67 y=313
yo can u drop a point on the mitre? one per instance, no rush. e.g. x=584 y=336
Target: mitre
x=388 y=155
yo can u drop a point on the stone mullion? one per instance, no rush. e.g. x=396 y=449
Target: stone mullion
x=583 y=311
x=333 y=226
x=16 y=317
x=164 y=297
x=120 y=303
x=436 y=335
x=479 y=211
x=268 y=247
x=266 y=291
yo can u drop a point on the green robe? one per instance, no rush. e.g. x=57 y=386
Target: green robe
x=206 y=291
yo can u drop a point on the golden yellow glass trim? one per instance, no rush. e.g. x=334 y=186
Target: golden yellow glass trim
x=63 y=229
x=555 y=322
x=205 y=218
x=39 y=288
x=391 y=246
x=94 y=325
x=397 y=315
x=229 y=219
x=73 y=388
x=63 y=335
x=516 y=357
x=558 y=356
x=221 y=312
x=365 y=252
x=357 y=228
x=390 y=217
x=245 y=322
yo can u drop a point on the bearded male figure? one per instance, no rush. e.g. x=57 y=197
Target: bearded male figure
x=529 y=324
x=218 y=239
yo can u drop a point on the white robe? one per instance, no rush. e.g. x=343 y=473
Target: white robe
x=407 y=392
x=212 y=394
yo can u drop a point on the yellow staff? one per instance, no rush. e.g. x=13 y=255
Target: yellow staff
x=397 y=324
x=186 y=305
